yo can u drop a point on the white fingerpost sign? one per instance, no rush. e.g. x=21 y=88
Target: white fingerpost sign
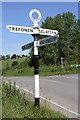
x=47 y=32
x=20 y=29
x=42 y=42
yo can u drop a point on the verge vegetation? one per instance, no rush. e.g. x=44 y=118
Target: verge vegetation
x=17 y=105
x=0 y=101
x=20 y=67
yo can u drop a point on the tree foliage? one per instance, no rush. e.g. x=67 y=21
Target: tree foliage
x=13 y=56
x=67 y=46
x=14 y=64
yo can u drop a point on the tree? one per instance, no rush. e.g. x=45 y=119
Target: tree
x=67 y=45
x=13 y=56
x=3 y=57
x=23 y=55
x=18 y=56
x=68 y=23
x=24 y=63
x=8 y=56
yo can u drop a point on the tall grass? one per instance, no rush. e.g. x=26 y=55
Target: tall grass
x=17 y=105
x=43 y=71
x=0 y=101
x=0 y=68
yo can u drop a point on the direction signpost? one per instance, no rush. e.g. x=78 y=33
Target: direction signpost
x=47 y=32
x=30 y=30
x=48 y=40
x=20 y=29
x=28 y=46
x=42 y=42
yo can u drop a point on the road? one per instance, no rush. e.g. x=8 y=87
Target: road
x=60 y=89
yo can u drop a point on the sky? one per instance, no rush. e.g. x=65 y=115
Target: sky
x=17 y=13
x=40 y=0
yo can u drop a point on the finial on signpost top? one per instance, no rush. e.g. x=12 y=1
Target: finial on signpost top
x=35 y=21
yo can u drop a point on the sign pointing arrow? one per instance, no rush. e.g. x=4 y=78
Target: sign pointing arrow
x=28 y=46
x=42 y=42
x=47 y=32
x=20 y=29
x=48 y=40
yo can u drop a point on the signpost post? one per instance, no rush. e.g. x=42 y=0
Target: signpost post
x=36 y=72
x=45 y=41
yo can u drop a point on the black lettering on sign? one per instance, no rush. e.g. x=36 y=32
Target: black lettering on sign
x=42 y=42
x=18 y=29
x=31 y=30
x=41 y=31
x=22 y=29
x=47 y=40
x=26 y=30
x=27 y=46
x=10 y=28
x=47 y=32
x=13 y=29
x=53 y=32
x=50 y=32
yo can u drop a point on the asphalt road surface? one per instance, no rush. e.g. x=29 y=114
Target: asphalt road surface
x=60 y=89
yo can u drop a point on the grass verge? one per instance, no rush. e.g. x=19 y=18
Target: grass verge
x=0 y=101
x=17 y=105
x=44 y=71
x=23 y=69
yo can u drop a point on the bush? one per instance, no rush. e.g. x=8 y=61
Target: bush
x=13 y=56
x=23 y=64
x=14 y=63
x=7 y=66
